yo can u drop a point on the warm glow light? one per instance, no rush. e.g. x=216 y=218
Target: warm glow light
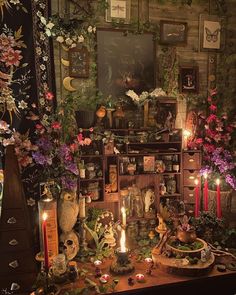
x=148 y=260
x=196 y=181
x=122 y=241
x=217 y=181
x=44 y=216
x=186 y=133
x=123 y=212
x=205 y=175
x=97 y=262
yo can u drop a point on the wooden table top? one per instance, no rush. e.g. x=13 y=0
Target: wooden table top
x=157 y=281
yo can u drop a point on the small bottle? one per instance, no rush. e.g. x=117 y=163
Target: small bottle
x=82 y=169
x=175 y=163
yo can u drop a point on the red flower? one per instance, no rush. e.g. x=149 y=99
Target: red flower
x=49 y=95
x=80 y=137
x=11 y=57
x=73 y=147
x=199 y=141
x=56 y=125
x=213 y=107
x=211 y=118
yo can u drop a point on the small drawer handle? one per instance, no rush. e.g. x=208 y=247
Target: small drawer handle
x=13 y=242
x=11 y=220
x=191 y=177
x=190 y=195
x=14 y=264
x=15 y=286
x=191 y=160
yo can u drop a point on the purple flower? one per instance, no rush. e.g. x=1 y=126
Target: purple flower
x=72 y=167
x=231 y=180
x=44 y=144
x=69 y=183
x=41 y=159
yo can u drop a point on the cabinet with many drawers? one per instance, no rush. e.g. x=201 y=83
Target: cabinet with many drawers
x=191 y=171
x=18 y=267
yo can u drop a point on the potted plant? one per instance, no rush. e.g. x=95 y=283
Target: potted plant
x=186 y=232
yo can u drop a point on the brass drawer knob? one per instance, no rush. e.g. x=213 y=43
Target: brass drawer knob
x=190 y=195
x=15 y=286
x=14 y=264
x=191 y=160
x=191 y=177
x=13 y=242
x=11 y=220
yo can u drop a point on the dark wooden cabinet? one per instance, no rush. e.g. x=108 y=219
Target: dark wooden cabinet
x=18 y=267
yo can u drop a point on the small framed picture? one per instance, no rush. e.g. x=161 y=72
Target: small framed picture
x=211 y=33
x=79 y=62
x=173 y=33
x=118 y=11
x=148 y=163
x=188 y=79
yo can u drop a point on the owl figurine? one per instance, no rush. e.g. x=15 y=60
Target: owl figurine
x=68 y=209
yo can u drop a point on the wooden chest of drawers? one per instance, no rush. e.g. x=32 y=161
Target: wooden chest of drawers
x=191 y=171
x=18 y=267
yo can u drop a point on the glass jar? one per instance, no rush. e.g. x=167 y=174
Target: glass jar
x=126 y=202
x=143 y=229
x=59 y=265
x=171 y=185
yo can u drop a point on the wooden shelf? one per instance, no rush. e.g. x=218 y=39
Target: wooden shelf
x=91 y=179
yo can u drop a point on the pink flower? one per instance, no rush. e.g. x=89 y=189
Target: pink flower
x=56 y=125
x=11 y=57
x=80 y=137
x=73 y=147
x=6 y=42
x=91 y=129
x=87 y=141
x=199 y=141
x=49 y=95
x=213 y=107
x=213 y=92
x=211 y=118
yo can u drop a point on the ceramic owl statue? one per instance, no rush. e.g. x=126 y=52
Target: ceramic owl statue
x=68 y=209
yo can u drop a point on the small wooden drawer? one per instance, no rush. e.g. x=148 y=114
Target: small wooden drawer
x=16 y=262
x=189 y=194
x=12 y=219
x=190 y=176
x=21 y=284
x=191 y=160
x=12 y=241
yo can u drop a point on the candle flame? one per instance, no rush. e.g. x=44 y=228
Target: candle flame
x=122 y=210
x=186 y=133
x=122 y=241
x=205 y=175
x=44 y=216
x=217 y=181
x=196 y=181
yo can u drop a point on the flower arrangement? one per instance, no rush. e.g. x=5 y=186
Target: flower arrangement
x=139 y=100
x=213 y=135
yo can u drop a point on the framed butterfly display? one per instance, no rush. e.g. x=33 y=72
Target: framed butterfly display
x=211 y=33
x=118 y=11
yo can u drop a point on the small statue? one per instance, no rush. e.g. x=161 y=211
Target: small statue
x=149 y=198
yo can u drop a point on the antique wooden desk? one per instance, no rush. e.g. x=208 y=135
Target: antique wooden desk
x=162 y=283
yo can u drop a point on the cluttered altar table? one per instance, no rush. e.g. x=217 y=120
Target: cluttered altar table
x=157 y=282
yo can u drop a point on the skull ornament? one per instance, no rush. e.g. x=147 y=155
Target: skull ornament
x=69 y=244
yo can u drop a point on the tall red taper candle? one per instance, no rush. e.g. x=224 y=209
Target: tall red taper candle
x=205 y=193
x=196 y=198
x=45 y=242
x=218 y=204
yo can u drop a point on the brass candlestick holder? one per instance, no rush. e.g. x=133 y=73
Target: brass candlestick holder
x=83 y=246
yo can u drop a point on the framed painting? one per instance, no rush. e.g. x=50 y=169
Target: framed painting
x=173 y=33
x=79 y=62
x=118 y=11
x=211 y=33
x=125 y=61
x=188 y=79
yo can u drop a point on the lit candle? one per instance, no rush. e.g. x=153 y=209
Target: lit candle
x=81 y=206
x=122 y=241
x=205 y=192
x=140 y=277
x=45 y=242
x=186 y=135
x=104 y=278
x=218 y=204
x=123 y=216
x=196 y=198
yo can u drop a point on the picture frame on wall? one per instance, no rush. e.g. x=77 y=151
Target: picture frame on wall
x=125 y=62
x=118 y=11
x=188 y=79
x=79 y=62
x=173 y=33
x=211 y=33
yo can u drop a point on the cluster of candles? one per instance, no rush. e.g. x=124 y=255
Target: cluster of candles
x=205 y=197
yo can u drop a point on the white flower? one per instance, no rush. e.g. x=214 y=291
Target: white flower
x=38 y=50
x=48 y=32
x=22 y=105
x=158 y=92
x=42 y=36
x=43 y=20
x=30 y=202
x=42 y=101
x=50 y=25
x=81 y=39
x=8 y=141
x=90 y=29
x=94 y=29
x=45 y=58
x=39 y=14
x=143 y=95
x=133 y=95
x=68 y=41
x=42 y=5
x=15 y=2
x=60 y=39
x=73 y=45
